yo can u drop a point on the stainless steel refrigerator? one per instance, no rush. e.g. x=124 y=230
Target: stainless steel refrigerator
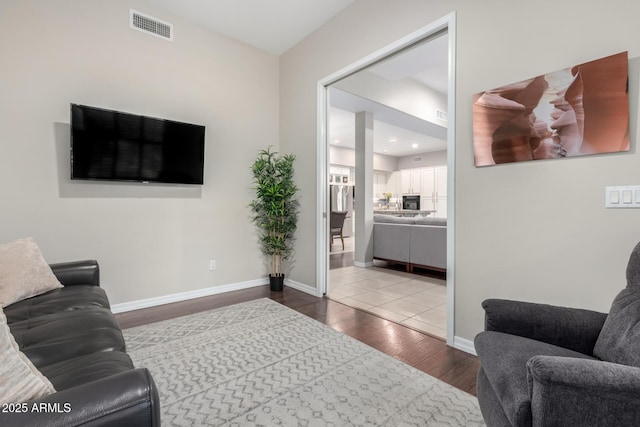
x=342 y=200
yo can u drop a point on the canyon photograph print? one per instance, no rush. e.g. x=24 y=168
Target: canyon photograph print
x=575 y=111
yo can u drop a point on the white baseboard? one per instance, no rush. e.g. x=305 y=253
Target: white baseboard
x=464 y=345
x=205 y=292
x=363 y=264
x=302 y=287
x=183 y=296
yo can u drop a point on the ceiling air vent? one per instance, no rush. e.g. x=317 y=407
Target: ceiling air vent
x=441 y=115
x=150 y=25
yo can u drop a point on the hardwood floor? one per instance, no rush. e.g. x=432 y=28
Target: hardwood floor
x=340 y=260
x=421 y=351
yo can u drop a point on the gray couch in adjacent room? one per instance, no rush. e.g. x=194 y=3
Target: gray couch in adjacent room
x=542 y=365
x=412 y=241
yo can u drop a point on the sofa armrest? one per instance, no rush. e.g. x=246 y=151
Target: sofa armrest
x=126 y=399
x=85 y=272
x=571 y=328
x=567 y=391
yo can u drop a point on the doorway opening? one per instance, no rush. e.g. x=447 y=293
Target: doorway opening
x=405 y=135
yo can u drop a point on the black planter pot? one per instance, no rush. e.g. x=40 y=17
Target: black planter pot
x=276 y=283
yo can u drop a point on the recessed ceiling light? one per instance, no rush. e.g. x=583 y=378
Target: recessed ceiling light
x=414 y=145
x=385 y=151
x=393 y=140
x=337 y=141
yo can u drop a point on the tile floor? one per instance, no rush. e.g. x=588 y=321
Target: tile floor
x=409 y=299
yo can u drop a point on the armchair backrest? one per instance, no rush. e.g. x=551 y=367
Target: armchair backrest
x=619 y=340
x=633 y=269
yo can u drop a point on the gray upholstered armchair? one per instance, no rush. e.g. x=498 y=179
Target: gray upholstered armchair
x=544 y=365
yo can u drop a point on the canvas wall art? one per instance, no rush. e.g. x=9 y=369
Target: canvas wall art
x=575 y=111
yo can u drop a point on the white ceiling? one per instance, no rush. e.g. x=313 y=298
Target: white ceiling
x=389 y=139
x=426 y=63
x=396 y=133
x=271 y=25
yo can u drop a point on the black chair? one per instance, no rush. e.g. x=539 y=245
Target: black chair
x=336 y=224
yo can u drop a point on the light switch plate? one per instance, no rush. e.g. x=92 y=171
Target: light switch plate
x=622 y=196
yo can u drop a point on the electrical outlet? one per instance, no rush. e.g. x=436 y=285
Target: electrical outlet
x=212 y=265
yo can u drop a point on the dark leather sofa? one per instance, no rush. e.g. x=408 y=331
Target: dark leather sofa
x=73 y=339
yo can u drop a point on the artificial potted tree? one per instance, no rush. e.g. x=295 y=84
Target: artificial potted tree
x=275 y=210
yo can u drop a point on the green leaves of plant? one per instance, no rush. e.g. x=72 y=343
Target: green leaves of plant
x=275 y=207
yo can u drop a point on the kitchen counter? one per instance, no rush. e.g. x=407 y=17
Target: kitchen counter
x=402 y=212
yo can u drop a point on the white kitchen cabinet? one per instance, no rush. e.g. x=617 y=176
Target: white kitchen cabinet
x=428 y=204
x=411 y=181
x=439 y=205
x=434 y=190
x=434 y=182
x=405 y=181
x=441 y=181
x=393 y=184
x=380 y=184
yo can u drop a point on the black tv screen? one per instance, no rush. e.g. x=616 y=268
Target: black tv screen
x=116 y=146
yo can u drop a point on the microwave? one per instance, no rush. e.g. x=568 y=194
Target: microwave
x=411 y=203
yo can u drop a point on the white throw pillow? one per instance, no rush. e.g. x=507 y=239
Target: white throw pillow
x=23 y=272
x=21 y=381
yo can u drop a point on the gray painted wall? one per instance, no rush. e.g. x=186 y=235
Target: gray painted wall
x=150 y=240
x=535 y=231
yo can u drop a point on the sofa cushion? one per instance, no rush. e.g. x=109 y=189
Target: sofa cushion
x=490 y=406
x=21 y=381
x=429 y=220
x=392 y=219
x=86 y=368
x=23 y=272
x=504 y=361
x=60 y=336
x=67 y=298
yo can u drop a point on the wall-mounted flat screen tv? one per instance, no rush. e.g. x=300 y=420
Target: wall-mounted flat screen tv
x=116 y=146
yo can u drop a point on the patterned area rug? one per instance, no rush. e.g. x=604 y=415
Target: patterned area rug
x=261 y=363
